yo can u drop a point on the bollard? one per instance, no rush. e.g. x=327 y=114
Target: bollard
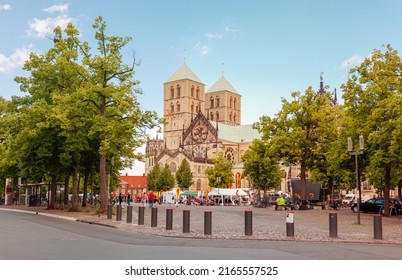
x=129 y=217
x=141 y=212
x=377 y=222
x=208 y=222
x=248 y=222
x=290 y=225
x=186 y=221
x=169 y=219
x=109 y=211
x=333 y=224
x=154 y=217
x=118 y=213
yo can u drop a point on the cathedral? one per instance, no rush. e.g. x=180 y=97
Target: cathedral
x=199 y=126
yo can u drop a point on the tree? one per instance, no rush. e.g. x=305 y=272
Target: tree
x=221 y=174
x=153 y=177
x=262 y=167
x=166 y=179
x=373 y=102
x=184 y=176
x=298 y=132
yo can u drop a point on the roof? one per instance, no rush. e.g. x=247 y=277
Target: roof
x=184 y=73
x=133 y=180
x=222 y=85
x=238 y=133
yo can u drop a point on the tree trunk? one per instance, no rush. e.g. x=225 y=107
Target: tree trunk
x=85 y=191
x=386 y=189
x=74 y=197
x=399 y=189
x=52 y=198
x=103 y=185
x=303 y=185
x=66 y=183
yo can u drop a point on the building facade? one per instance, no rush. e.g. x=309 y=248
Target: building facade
x=200 y=125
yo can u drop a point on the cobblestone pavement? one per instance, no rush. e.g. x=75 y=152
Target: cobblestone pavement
x=228 y=222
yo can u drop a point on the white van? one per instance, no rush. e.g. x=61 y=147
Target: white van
x=348 y=199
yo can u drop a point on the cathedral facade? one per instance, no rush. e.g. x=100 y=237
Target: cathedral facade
x=200 y=124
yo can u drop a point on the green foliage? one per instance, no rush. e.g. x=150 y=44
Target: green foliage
x=166 y=179
x=184 y=176
x=262 y=166
x=153 y=177
x=221 y=174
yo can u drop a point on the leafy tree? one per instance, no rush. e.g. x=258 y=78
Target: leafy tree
x=373 y=102
x=166 y=179
x=298 y=132
x=153 y=177
x=261 y=166
x=184 y=176
x=221 y=174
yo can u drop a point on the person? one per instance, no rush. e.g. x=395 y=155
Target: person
x=144 y=199
x=120 y=199
x=128 y=199
x=151 y=199
x=280 y=202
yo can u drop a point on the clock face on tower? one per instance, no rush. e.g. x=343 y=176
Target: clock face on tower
x=200 y=133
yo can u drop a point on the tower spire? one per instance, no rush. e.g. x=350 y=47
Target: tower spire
x=321 y=90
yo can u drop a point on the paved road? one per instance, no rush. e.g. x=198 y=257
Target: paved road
x=36 y=237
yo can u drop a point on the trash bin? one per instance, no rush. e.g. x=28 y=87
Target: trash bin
x=32 y=200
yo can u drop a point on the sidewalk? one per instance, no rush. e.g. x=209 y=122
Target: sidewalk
x=228 y=222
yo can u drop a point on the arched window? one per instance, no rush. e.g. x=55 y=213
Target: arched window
x=230 y=117
x=230 y=102
x=192 y=107
x=177 y=107
x=178 y=90
x=230 y=154
x=212 y=116
x=217 y=101
x=197 y=93
x=198 y=184
x=212 y=102
x=234 y=117
x=196 y=109
x=173 y=167
x=217 y=116
x=171 y=108
x=192 y=91
x=235 y=103
x=171 y=92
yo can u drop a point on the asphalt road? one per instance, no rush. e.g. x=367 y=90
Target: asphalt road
x=35 y=237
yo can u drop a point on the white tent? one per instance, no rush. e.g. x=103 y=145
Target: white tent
x=227 y=192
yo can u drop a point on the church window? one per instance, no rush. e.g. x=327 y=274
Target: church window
x=234 y=106
x=178 y=91
x=171 y=108
x=171 y=92
x=199 y=185
x=212 y=116
x=217 y=101
x=192 y=91
x=197 y=93
x=196 y=109
x=212 y=102
x=234 y=117
x=192 y=107
x=173 y=167
x=217 y=116
x=230 y=155
x=230 y=102
x=230 y=117
x=199 y=169
x=178 y=107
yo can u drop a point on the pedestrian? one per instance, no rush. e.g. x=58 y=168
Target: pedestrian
x=128 y=199
x=151 y=199
x=120 y=199
x=144 y=199
x=280 y=202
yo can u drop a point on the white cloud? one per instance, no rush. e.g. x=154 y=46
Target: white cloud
x=15 y=60
x=230 y=30
x=43 y=27
x=210 y=35
x=57 y=8
x=352 y=61
x=5 y=7
x=203 y=49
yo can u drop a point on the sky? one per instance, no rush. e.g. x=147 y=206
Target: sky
x=266 y=49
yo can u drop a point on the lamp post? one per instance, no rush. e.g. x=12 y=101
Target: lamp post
x=350 y=150
x=218 y=181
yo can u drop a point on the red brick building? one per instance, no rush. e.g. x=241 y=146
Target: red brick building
x=133 y=185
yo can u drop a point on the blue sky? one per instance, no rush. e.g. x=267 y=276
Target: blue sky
x=267 y=49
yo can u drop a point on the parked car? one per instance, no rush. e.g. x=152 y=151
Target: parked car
x=398 y=204
x=376 y=205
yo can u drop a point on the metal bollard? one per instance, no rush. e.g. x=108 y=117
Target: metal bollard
x=333 y=224
x=186 y=221
x=141 y=212
x=154 y=217
x=208 y=222
x=248 y=222
x=290 y=225
x=377 y=222
x=129 y=217
x=109 y=211
x=169 y=219
x=118 y=213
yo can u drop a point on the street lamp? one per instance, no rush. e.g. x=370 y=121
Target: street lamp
x=218 y=181
x=350 y=150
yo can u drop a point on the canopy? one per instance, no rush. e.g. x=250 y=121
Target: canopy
x=230 y=192
x=190 y=193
